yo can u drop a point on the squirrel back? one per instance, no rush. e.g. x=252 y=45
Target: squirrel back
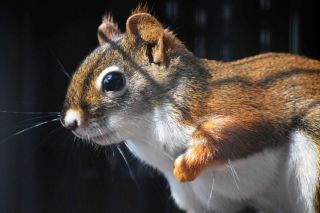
x=278 y=83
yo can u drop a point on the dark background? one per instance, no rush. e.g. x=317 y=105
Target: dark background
x=43 y=170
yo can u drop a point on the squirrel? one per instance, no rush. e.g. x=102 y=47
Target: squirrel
x=224 y=134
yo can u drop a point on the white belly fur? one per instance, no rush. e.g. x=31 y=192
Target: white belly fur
x=263 y=180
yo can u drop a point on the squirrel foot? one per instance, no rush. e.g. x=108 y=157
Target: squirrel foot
x=189 y=165
x=186 y=168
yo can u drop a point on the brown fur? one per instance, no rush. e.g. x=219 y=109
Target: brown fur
x=237 y=108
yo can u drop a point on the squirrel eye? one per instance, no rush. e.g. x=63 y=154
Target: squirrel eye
x=113 y=81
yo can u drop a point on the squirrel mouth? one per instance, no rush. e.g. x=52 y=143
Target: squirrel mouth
x=101 y=136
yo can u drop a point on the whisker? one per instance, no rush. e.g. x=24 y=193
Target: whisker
x=128 y=147
x=100 y=132
x=234 y=174
x=35 y=118
x=29 y=121
x=113 y=149
x=29 y=113
x=211 y=192
x=109 y=144
x=132 y=176
x=28 y=128
x=62 y=68
x=125 y=160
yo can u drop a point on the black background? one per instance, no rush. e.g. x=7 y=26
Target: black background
x=44 y=170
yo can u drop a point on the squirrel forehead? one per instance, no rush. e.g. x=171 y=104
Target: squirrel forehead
x=102 y=57
x=83 y=87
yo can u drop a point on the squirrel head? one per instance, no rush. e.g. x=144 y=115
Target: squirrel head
x=127 y=75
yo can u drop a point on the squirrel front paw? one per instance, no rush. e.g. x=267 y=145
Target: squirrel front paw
x=185 y=168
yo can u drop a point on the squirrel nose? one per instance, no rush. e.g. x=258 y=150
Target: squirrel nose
x=71 y=120
x=72 y=126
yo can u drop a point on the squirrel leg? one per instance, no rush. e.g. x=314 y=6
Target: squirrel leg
x=199 y=156
x=218 y=140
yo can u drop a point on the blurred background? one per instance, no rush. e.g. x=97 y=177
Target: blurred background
x=42 y=169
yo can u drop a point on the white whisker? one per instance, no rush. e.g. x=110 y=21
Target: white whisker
x=29 y=113
x=129 y=168
x=100 y=131
x=112 y=149
x=125 y=160
x=211 y=192
x=29 y=121
x=62 y=68
x=29 y=128
x=234 y=174
x=108 y=142
x=35 y=118
x=128 y=147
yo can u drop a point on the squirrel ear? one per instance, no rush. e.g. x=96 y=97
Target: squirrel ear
x=108 y=29
x=144 y=27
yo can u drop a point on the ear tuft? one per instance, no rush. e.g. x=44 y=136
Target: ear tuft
x=142 y=8
x=108 y=29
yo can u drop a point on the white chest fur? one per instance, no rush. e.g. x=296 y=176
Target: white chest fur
x=221 y=189
x=261 y=179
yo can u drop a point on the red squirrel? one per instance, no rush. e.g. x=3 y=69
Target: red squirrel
x=224 y=134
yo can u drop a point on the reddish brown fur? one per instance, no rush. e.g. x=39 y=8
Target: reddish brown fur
x=237 y=108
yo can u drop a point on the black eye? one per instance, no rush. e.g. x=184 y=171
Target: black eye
x=113 y=81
